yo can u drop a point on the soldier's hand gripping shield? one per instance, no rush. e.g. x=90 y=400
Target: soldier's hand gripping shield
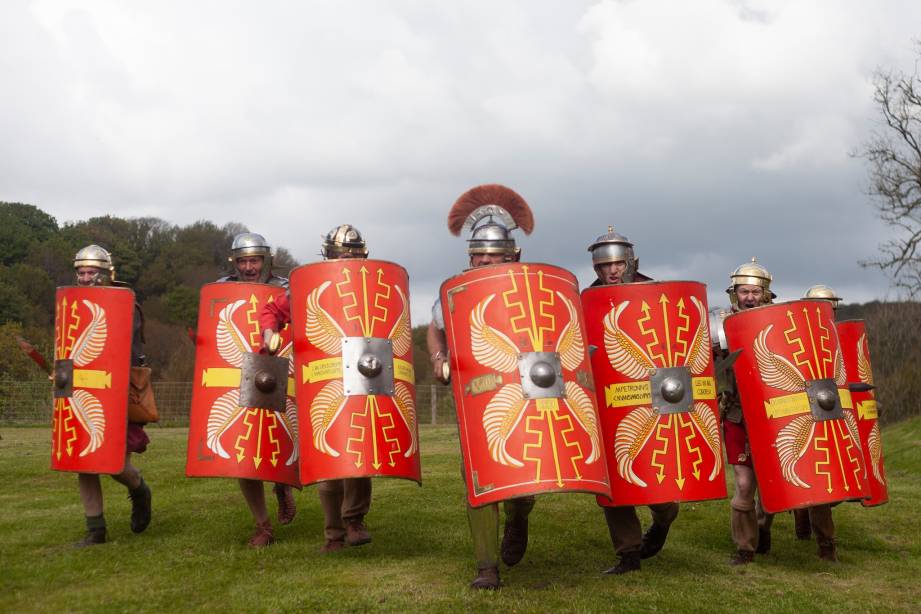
x=92 y=362
x=653 y=367
x=793 y=388
x=243 y=422
x=522 y=383
x=855 y=350
x=356 y=391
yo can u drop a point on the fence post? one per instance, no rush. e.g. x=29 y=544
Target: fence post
x=434 y=404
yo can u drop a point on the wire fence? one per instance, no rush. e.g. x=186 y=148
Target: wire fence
x=29 y=403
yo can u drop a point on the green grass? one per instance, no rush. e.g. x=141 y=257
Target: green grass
x=193 y=555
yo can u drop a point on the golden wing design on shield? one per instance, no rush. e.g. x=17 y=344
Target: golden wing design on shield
x=231 y=344
x=624 y=354
x=864 y=372
x=570 y=345
x=705 y=421
x=699 y=354
x=792 y=442
x=851 y=423
x=875 y=447
x=289 y=423
x=632 y=434
x=501 y=416
x=324 y=410
x=840 y=373
x=92 y=340
x=401 y=334
x=403 y=399
x=776 y=371
x=322 y=330
x=91 y=417
x=224 y=413
x=491 y=348
x=584 y=410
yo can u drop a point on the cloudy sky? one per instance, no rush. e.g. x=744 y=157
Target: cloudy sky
x=706 y=131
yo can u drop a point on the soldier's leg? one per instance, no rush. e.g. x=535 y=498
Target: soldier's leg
x=331 y=493
x=802 y=525
x=356 y=502
x=287 y=507
x=765 y=521
x=515 y=536
x=254 y=493
x=663 y=515
x=91 y=496
x=743 y=519
x=484 y=530
x=138 y=492
x=824 y=527
x=627 y=537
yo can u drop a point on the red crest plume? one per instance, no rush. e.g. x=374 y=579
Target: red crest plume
x=490 y=199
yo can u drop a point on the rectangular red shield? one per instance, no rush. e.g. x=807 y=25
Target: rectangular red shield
x=356 y=392
x=654 y=379
x=793 y=388
x=231 y=434
x=855 y=349
x=522 y=383
x=92 y=362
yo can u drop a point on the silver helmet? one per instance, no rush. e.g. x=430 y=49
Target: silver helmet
x=491 y=237
x=343 y=239
x=823 y=292
x=490 y=212
x=752 y=274
x=615 y=247
x=97 y=257
x=252 y=244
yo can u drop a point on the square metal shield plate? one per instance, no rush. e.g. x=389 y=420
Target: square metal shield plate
x=668 y=384
x=264 y=381
x=543 y=367
x=63 y=378
x=355 y=383
x=814 y=390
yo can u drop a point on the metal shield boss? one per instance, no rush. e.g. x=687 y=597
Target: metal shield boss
x=855 y=350
x=522 y=383
x=356 y=391
x=243 y=422
x=793 y=388
x=92 y=361
x=653 y=366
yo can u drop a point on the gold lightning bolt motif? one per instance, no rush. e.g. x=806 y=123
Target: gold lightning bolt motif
x=656 y=453
x=271 y=432
x=851 y=450
x=251 y=318
x=361 y=438
x=692 y=449
x=390 y=438
x=684 y=327
x=570 y=428
x=826 y=451
x=350 y=309
x=801 y=362
x=824 y=346
x=383 y=294
x=244 y=437
x=528 y=319
x=647 y=332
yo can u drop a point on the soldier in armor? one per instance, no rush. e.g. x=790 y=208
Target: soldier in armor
x=491 y=242
x=345 y=502
x=93 y=267
x=251 y=259
x=614 y=262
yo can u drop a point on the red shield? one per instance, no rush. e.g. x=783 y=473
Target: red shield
x=230 y=433
x=852 y=336
x=92 y=353
x=522 y=383
x=654 y=381
x=791 y=380
x=356 y=392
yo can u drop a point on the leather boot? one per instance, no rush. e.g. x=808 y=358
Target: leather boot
x=514 y=539
x=742 y=557
x=140 y=507
x=764 y=541
x=93 y=537
x=356 y=533
x=263 y=536
x=802 y=524
x=653 y=540
x=287 y=508
x=828 y=552
x=629 y=561
x=487 y=579
x=332 y=545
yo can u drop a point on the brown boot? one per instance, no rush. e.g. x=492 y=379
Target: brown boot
x=764 y=541
x=332 y=545
x=828 y=552
x=93 y=537
x=287 y=508
x=802 y=524
x=487 y=579
x=653 y=540
x=515 y=539
x=356 y=533
x=742 y=557
x=628 y=562
x=263 y=535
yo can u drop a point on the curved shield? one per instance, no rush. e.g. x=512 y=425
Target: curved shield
x=855 y=350
x=356 y=392
x=522 y=383
x=92 y=362
x=243 y=421
x=793 y=388
x=653 y=367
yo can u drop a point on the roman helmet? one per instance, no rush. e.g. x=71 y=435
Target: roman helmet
x=343 y=239
x=98 y=257
x=750 y=273
x=490 y=213
x=252 y=244
x=823 y=292
x=615 y=247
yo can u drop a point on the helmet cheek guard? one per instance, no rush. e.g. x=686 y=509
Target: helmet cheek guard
x=751 y=274
x=97 y=257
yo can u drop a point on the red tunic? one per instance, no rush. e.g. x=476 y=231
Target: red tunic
x=276 y=314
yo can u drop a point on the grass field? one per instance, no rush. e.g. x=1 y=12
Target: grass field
x=193 y=555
